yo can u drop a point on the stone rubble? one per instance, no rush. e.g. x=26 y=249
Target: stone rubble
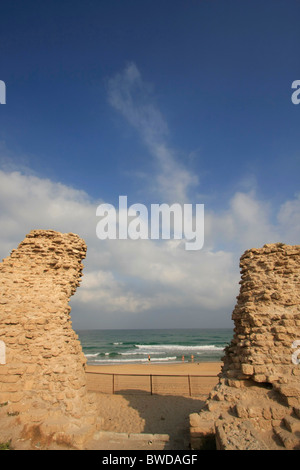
x=256 y=404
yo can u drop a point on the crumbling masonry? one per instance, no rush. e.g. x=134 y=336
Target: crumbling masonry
x=43 y=394
x=256 y=404
x=42 y=372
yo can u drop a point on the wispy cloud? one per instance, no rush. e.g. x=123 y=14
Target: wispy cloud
x=158 y=282
x=132 y=97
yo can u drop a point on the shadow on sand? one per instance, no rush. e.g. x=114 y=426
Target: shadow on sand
x=165 y=414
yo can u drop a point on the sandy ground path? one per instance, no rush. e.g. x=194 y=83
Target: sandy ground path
x=135 y=410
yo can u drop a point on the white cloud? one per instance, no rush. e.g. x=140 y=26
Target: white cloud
x=123 y=276
x=247 y=222
x=131 y=96
x=127 y=277
x=289 y=220
x=28 y=202
x=112 y=295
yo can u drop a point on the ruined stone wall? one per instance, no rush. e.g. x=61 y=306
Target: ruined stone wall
x=257 y=402
x=266 y=316
x=42 y=379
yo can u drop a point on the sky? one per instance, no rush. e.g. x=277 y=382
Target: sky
x=186 y=102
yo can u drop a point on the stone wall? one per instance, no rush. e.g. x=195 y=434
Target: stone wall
x=42 y=379
x=257 y=401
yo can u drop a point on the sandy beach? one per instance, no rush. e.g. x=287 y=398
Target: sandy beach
x=192 y=379
x=132 y=408
x=201 y=368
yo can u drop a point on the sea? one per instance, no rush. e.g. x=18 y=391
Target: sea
x=166 y=346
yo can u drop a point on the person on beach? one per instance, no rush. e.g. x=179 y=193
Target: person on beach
x=182 y=358
x=192 y=357
x=149 y=358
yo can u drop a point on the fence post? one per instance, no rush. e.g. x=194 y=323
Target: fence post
x=190 y=390
x=151 y=384
x=113 y=384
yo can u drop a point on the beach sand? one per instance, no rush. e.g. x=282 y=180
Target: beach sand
x=132 y=408
x=200 y=368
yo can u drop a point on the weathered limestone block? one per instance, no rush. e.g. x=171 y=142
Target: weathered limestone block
x=43 y=358
x=261 y=371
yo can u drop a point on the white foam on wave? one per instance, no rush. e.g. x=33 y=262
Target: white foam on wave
x=138 y=353
x=176 y=347
x=145 y=359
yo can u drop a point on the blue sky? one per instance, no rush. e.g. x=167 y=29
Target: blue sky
x=174 y=101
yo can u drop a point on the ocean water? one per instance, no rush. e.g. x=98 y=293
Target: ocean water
x=164 y=346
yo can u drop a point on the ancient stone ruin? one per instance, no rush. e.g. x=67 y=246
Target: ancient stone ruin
x=43 y=391
x=256 y=404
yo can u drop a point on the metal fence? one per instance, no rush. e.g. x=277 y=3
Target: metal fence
x=190 y=385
